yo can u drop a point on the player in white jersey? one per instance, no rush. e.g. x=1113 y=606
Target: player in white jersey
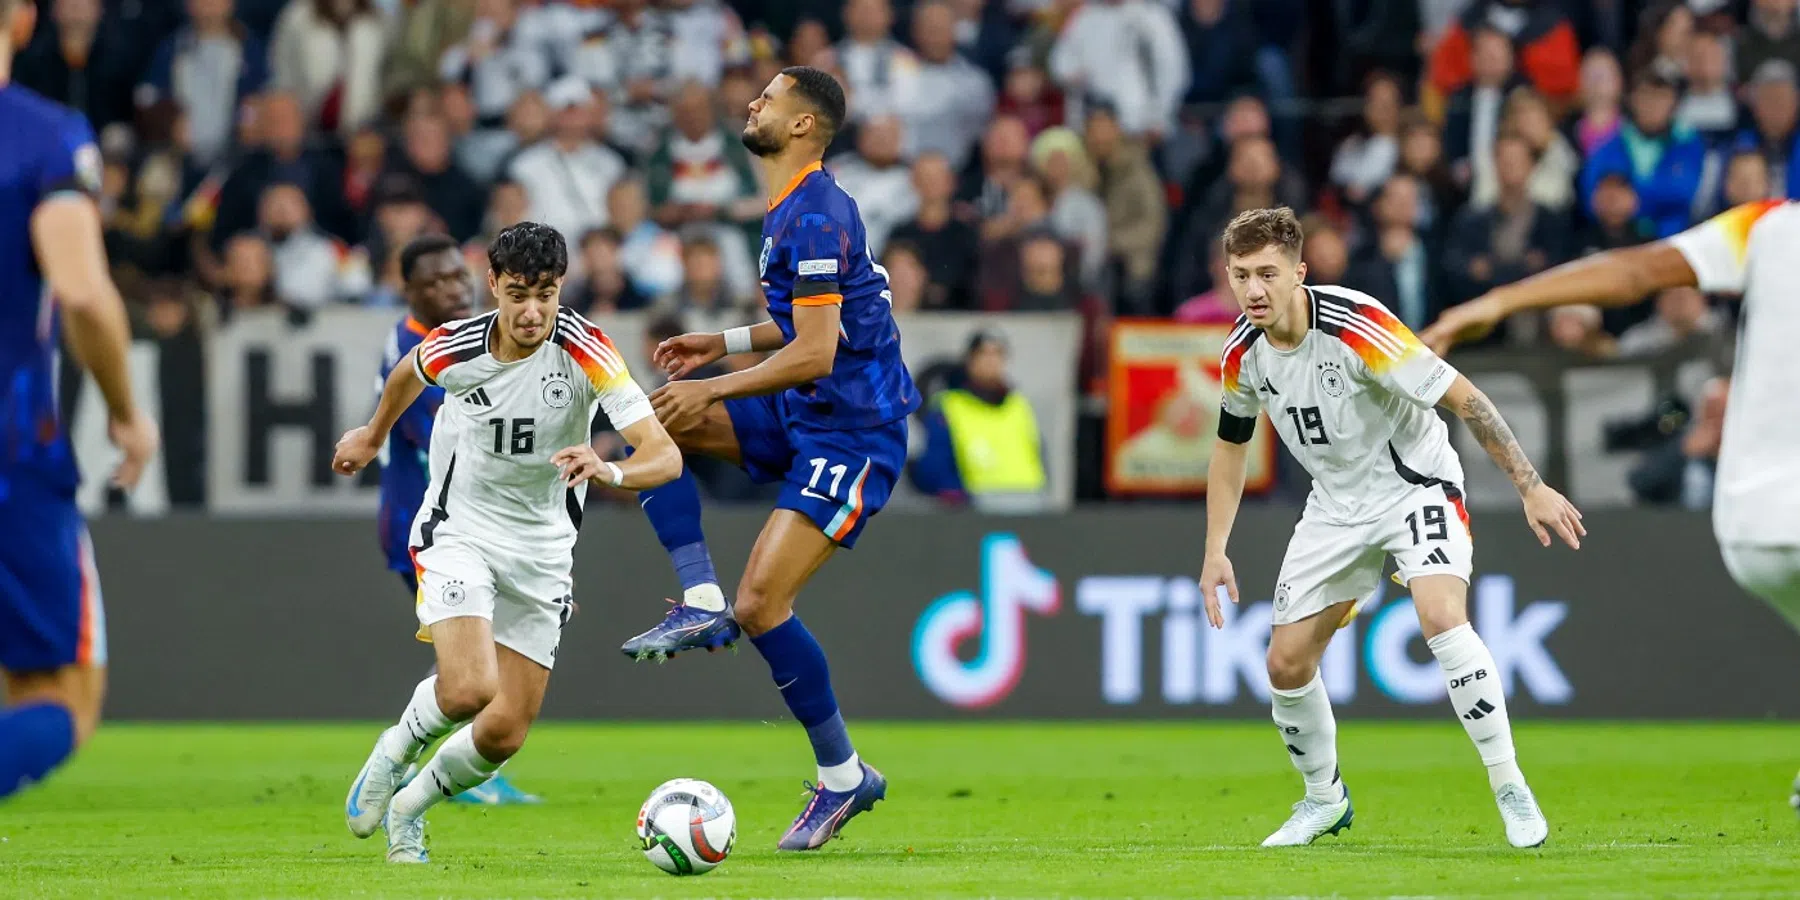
x=1352 y=394
x=510 y=467
x=1752 y=250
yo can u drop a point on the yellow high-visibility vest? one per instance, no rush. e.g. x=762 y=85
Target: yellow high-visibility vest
x=998 y=449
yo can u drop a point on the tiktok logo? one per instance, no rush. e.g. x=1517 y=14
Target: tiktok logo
x=1010 y=585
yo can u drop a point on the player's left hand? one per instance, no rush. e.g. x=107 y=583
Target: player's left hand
x=356 y=449
x=578 y=464
x=680 y=402
x=1546 y=511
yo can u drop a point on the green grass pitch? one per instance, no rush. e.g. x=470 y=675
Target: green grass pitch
x=1015 y=810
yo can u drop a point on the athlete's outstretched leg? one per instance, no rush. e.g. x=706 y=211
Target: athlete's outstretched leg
x=701 y=619
x=790 y=549
x=1302 y=714
x=48 y=716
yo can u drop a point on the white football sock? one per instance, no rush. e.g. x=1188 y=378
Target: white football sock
x=844 y=776
x=705 y=596
x=422 y=723
x=1479 y=700
x=1309 y=731
x=456 y=767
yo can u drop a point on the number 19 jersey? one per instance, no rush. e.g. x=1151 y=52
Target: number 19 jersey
x=1353 y=403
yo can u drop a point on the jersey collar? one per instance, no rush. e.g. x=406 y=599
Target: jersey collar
x=794 y=183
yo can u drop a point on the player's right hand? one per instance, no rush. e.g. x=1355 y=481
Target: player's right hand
x=684 y=353
x=136 y=437
x=356 y=449
x=1216 y=572
x=1470 y=321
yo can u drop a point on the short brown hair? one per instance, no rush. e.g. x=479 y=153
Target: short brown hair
x=1255 y=229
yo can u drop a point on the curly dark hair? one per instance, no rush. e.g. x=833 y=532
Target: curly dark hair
x=531 y=252
x=422 y=246
x=823 y=93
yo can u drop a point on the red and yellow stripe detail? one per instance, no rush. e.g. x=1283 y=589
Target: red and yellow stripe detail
x=1736 y=222
x=592 y=350
x=1378 y=338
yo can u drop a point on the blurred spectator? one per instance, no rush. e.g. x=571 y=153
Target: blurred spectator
x=1422 y=157
x=1076 y=215
x=602 y=286
x=984 y=34
x=365 y=159
x=808 y=44
x=249 y=276
x=952 y=99
x=400 y=215
x=1602 y=92
x=1616 y=225
x=1393 y=263
x=879 y=72
x=493 y=150
x=1770 y=32
x=1774 y=108
x=1549 y=54
x=1700 y=445
x=1001 y=277
x=1218 y=34
x=1217 y=305
x=507 y=205
x=1681 y=314
x=207 y=68
x=1576 y=330
x=1509 y=239
x=1708 y=105
x=704 y=301
x=1004 y=159
x=1031 y=97
x=1256 y=179
x=1366 y=159
x=650 y=253
x=494 y=60
x=1665 y=33
x=1746 y=179
x=947 y=244
x=1663 y=160
x=1326 y=252
x=77 y=58
x=982 y=440
x=1137 y=212
x=450 y=193
x=1557 y=164
x=701 y=173
x=1385 y=36
x=305 y=259
x=479 y=152
x=878 y=180
x=906 y=276
x=631 y=58
x=282 y=156
x=709 y=37
x=1086 y=62
x=567 y=175
x=1044 y=282
x=1476 y=109
x=328 y=54
x=426 y=31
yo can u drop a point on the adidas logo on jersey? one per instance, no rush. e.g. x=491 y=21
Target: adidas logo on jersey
x=1268 y=388
x=477 y=397
x=1437 y=558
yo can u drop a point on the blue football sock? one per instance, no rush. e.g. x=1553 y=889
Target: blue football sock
x=33 y=740
x=797 y=663
x=674 y=511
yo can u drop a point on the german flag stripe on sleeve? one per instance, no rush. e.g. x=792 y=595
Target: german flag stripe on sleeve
x=1375 y=335
x=1231 y=362
x=591 y=349
x=449 y=344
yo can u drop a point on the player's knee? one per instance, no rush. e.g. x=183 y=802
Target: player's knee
x=78 y=689
x=759 y=609
x=1289 y=671
x=462 y=699
x=1437 y=617
x=499 y=738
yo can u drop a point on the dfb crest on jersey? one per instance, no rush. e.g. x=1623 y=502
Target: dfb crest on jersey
x=1331 y=379
x=1281 y=597
x=453 y=593
x=762 y=262
x=558 y=393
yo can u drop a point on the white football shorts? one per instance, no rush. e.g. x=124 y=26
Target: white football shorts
x=526 y=597
x=1769 y=572
x=1426 y=531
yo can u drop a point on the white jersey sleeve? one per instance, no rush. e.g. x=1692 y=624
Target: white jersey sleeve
x=1392 y=356
x=439 y=359
x=1718 y=248
x=607 y=376
x=1239 y=405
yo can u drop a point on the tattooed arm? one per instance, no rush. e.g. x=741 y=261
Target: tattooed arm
x=1545 y=509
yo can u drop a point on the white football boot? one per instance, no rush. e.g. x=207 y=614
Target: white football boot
x=370 y=792
x=1311 y=819
x=405 y=838
x=1525 y=823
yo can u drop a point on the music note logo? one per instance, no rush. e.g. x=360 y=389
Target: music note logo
x=1010 y=586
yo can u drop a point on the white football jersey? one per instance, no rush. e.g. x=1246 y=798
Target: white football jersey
x=491 y=475
x=1754 y=250
x=1353 y=403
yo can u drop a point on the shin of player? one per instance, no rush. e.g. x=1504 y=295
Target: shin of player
x=494 y=547
x=52 y=624
x=1352 y=394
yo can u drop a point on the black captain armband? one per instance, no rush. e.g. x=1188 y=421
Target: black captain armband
x=1236 y=429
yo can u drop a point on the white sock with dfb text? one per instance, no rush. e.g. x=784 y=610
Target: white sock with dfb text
x=421 y=724
x=456 y=767
x=1309 y=731
x=1479 y=700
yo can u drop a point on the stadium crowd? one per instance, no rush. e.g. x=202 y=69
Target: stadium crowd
x=1007 y=154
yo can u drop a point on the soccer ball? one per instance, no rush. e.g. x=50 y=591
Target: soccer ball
x=686 y=827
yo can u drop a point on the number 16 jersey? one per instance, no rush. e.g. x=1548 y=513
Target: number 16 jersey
x=500 y=422
x=1353 y=403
